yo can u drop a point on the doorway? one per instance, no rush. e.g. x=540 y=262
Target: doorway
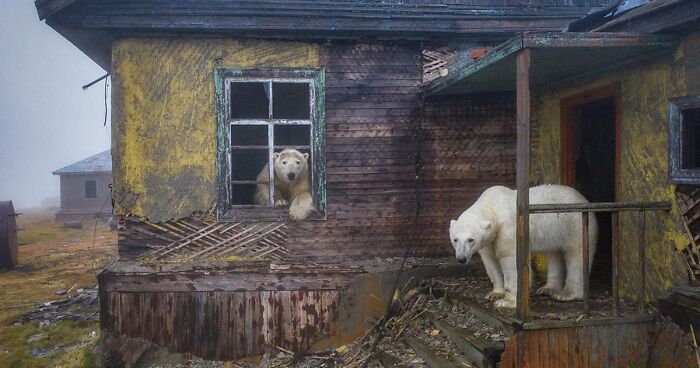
x=590 y=162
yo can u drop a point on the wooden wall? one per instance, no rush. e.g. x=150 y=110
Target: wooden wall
x=374 y=112
x=222 y=314
x=646 y=344
x=644 y=171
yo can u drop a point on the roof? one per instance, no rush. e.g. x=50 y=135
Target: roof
x=641 y=16
x=92 y=25
x=99 y=163
x=557 y=58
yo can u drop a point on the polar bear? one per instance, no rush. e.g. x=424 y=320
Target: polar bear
x=292 y=184
x=488 y=227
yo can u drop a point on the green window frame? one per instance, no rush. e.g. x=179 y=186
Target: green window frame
x=683 y=132
x=223 y=79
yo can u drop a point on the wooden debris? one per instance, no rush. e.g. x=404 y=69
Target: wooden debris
x=202 y=237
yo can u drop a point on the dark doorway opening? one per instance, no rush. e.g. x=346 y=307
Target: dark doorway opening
x=589 y=164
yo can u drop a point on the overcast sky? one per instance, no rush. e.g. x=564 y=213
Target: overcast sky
x=46 y=120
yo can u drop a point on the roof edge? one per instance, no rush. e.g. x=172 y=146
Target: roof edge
x=46 y=8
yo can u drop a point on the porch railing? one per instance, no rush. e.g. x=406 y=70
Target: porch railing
x=585 y=208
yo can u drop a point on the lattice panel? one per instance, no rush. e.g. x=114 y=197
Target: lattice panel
x=202 y=237
x=688 y=199
x=436 y=63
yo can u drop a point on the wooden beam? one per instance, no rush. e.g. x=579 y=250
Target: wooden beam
x=522 y=184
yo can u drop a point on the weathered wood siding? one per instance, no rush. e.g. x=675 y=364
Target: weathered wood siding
x=467 y=145
x=374 y=113
x=646 y=90
x=614 y=345
x=221 y=314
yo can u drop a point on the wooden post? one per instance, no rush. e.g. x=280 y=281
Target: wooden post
x=642 y=260
x=586 y=262
x=522 y=310
x=615 y=245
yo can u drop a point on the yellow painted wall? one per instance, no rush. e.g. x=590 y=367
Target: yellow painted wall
x=644 y=157
x=164 y=121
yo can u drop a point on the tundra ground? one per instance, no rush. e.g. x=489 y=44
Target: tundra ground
x=52 y=261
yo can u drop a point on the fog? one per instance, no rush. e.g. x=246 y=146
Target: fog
x=46 y=120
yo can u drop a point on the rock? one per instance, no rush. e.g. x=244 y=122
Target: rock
x=60 y=292
x=37 y=337
x=42 y=352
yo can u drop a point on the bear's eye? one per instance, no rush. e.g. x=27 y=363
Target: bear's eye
x=297 y=162
x=284 y=162
x=455 y=240
x=470 y=240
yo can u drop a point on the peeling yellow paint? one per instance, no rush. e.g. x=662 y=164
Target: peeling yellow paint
x=163 y=118
x=644 y=158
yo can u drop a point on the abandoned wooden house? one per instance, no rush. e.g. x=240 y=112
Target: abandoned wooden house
x=85 y=188
x=407 y=111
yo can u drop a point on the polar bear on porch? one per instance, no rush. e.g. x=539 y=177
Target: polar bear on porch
x=292 y=184
x=489 y=228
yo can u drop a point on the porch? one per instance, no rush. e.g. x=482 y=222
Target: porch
x=542 y=64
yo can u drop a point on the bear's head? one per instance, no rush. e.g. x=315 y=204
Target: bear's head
x=291 y=165
x=468 y=235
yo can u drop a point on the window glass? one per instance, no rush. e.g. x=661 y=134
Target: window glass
x=243 y=194
x=90 y=189
x=290 y=101
x=690 y=135
x=249 y=135
x=292 y=135
x=247 y=163
x=250 y=100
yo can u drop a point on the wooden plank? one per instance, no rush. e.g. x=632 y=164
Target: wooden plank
x=522 y=183
x=484 y=353
x=432 y=359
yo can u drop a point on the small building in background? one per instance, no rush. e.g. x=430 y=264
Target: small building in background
x=85 y=188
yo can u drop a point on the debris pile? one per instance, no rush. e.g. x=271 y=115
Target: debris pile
x=83 y=305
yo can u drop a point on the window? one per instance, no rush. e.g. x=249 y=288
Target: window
x=90 y=188
x=260 y=113
x=684 y=133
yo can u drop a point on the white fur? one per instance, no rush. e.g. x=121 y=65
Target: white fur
x=294 y=190
x=488 y=227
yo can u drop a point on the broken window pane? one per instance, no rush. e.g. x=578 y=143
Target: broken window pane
x=247 y=163
x=292 y=135
x=290 y=101
x=690 y=145
x=249 y=135
x=250 y=100
x=243 y=194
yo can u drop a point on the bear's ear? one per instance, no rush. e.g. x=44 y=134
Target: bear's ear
x=276 y=155
x=485 y=225
x=306 y=156
x=452 y=223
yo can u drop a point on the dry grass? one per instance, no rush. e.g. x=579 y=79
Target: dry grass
x=51 y=258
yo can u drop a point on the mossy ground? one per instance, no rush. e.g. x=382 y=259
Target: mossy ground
x=51 y=258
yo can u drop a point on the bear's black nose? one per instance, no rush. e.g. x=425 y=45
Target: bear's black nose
x=291 y=176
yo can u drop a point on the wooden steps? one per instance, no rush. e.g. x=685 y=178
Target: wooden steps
x=484 y=353
x=389 y=361
x=682 y=305
x=430 y=357
x=479 y=351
